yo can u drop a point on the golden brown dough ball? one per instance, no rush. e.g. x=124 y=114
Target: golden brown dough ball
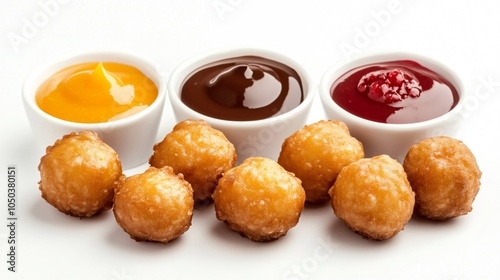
x=316 y=154
x=259 y=199
x=198 y=151
x=77 y=174
x=445 y=177
x=373 y=197
x=156 y=205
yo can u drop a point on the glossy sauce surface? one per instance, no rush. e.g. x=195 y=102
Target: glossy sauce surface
x=394 y=92
x=243 y=88
x=96 y=92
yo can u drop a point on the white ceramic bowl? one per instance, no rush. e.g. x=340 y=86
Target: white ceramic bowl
x=391 y=139
x=250 y=138
x=132 y=137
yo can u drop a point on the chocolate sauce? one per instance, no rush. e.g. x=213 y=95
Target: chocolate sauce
x=243 y=88
x=435 y=96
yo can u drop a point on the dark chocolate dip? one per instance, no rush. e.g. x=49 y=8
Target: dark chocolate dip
x=243 y=88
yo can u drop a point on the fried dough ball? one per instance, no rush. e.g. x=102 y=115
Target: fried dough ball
x=156 y=205
x=77 y=174
x=373 y=197
x=445 y=177
x=316 y=154
x=198 y=151
x=259 y=199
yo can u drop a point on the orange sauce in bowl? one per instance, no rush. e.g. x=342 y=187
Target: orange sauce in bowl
x=96 y=92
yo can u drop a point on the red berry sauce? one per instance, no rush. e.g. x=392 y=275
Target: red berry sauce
x=397 y=92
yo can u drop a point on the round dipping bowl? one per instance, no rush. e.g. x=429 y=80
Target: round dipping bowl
x=262 y=137
x=132 y=137
x=385 y=138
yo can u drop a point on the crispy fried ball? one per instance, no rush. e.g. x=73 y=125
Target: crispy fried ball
x=156 y=205
x=198 y=151
x=259 y=199
x=373 y=197
x=316 y=154
x=77 y=174
x=445 y=177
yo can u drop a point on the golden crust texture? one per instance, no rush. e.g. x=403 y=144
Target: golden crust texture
x=156 y=205
x=198 y=151
x=373 y=197
x=77 y=174
x=316 y=154
x=445 y=177
x=259 y=199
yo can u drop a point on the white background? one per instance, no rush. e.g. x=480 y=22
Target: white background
x=318 y=34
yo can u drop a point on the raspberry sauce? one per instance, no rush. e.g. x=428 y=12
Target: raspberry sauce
x=243 y=88
x=395 y=92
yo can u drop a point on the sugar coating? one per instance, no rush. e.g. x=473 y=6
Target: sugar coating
x=445 y=176
x=316 y=154
x=198 y=151
x=156 y=205
x=259 y=199
x=373 y=197
x=77 y=174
